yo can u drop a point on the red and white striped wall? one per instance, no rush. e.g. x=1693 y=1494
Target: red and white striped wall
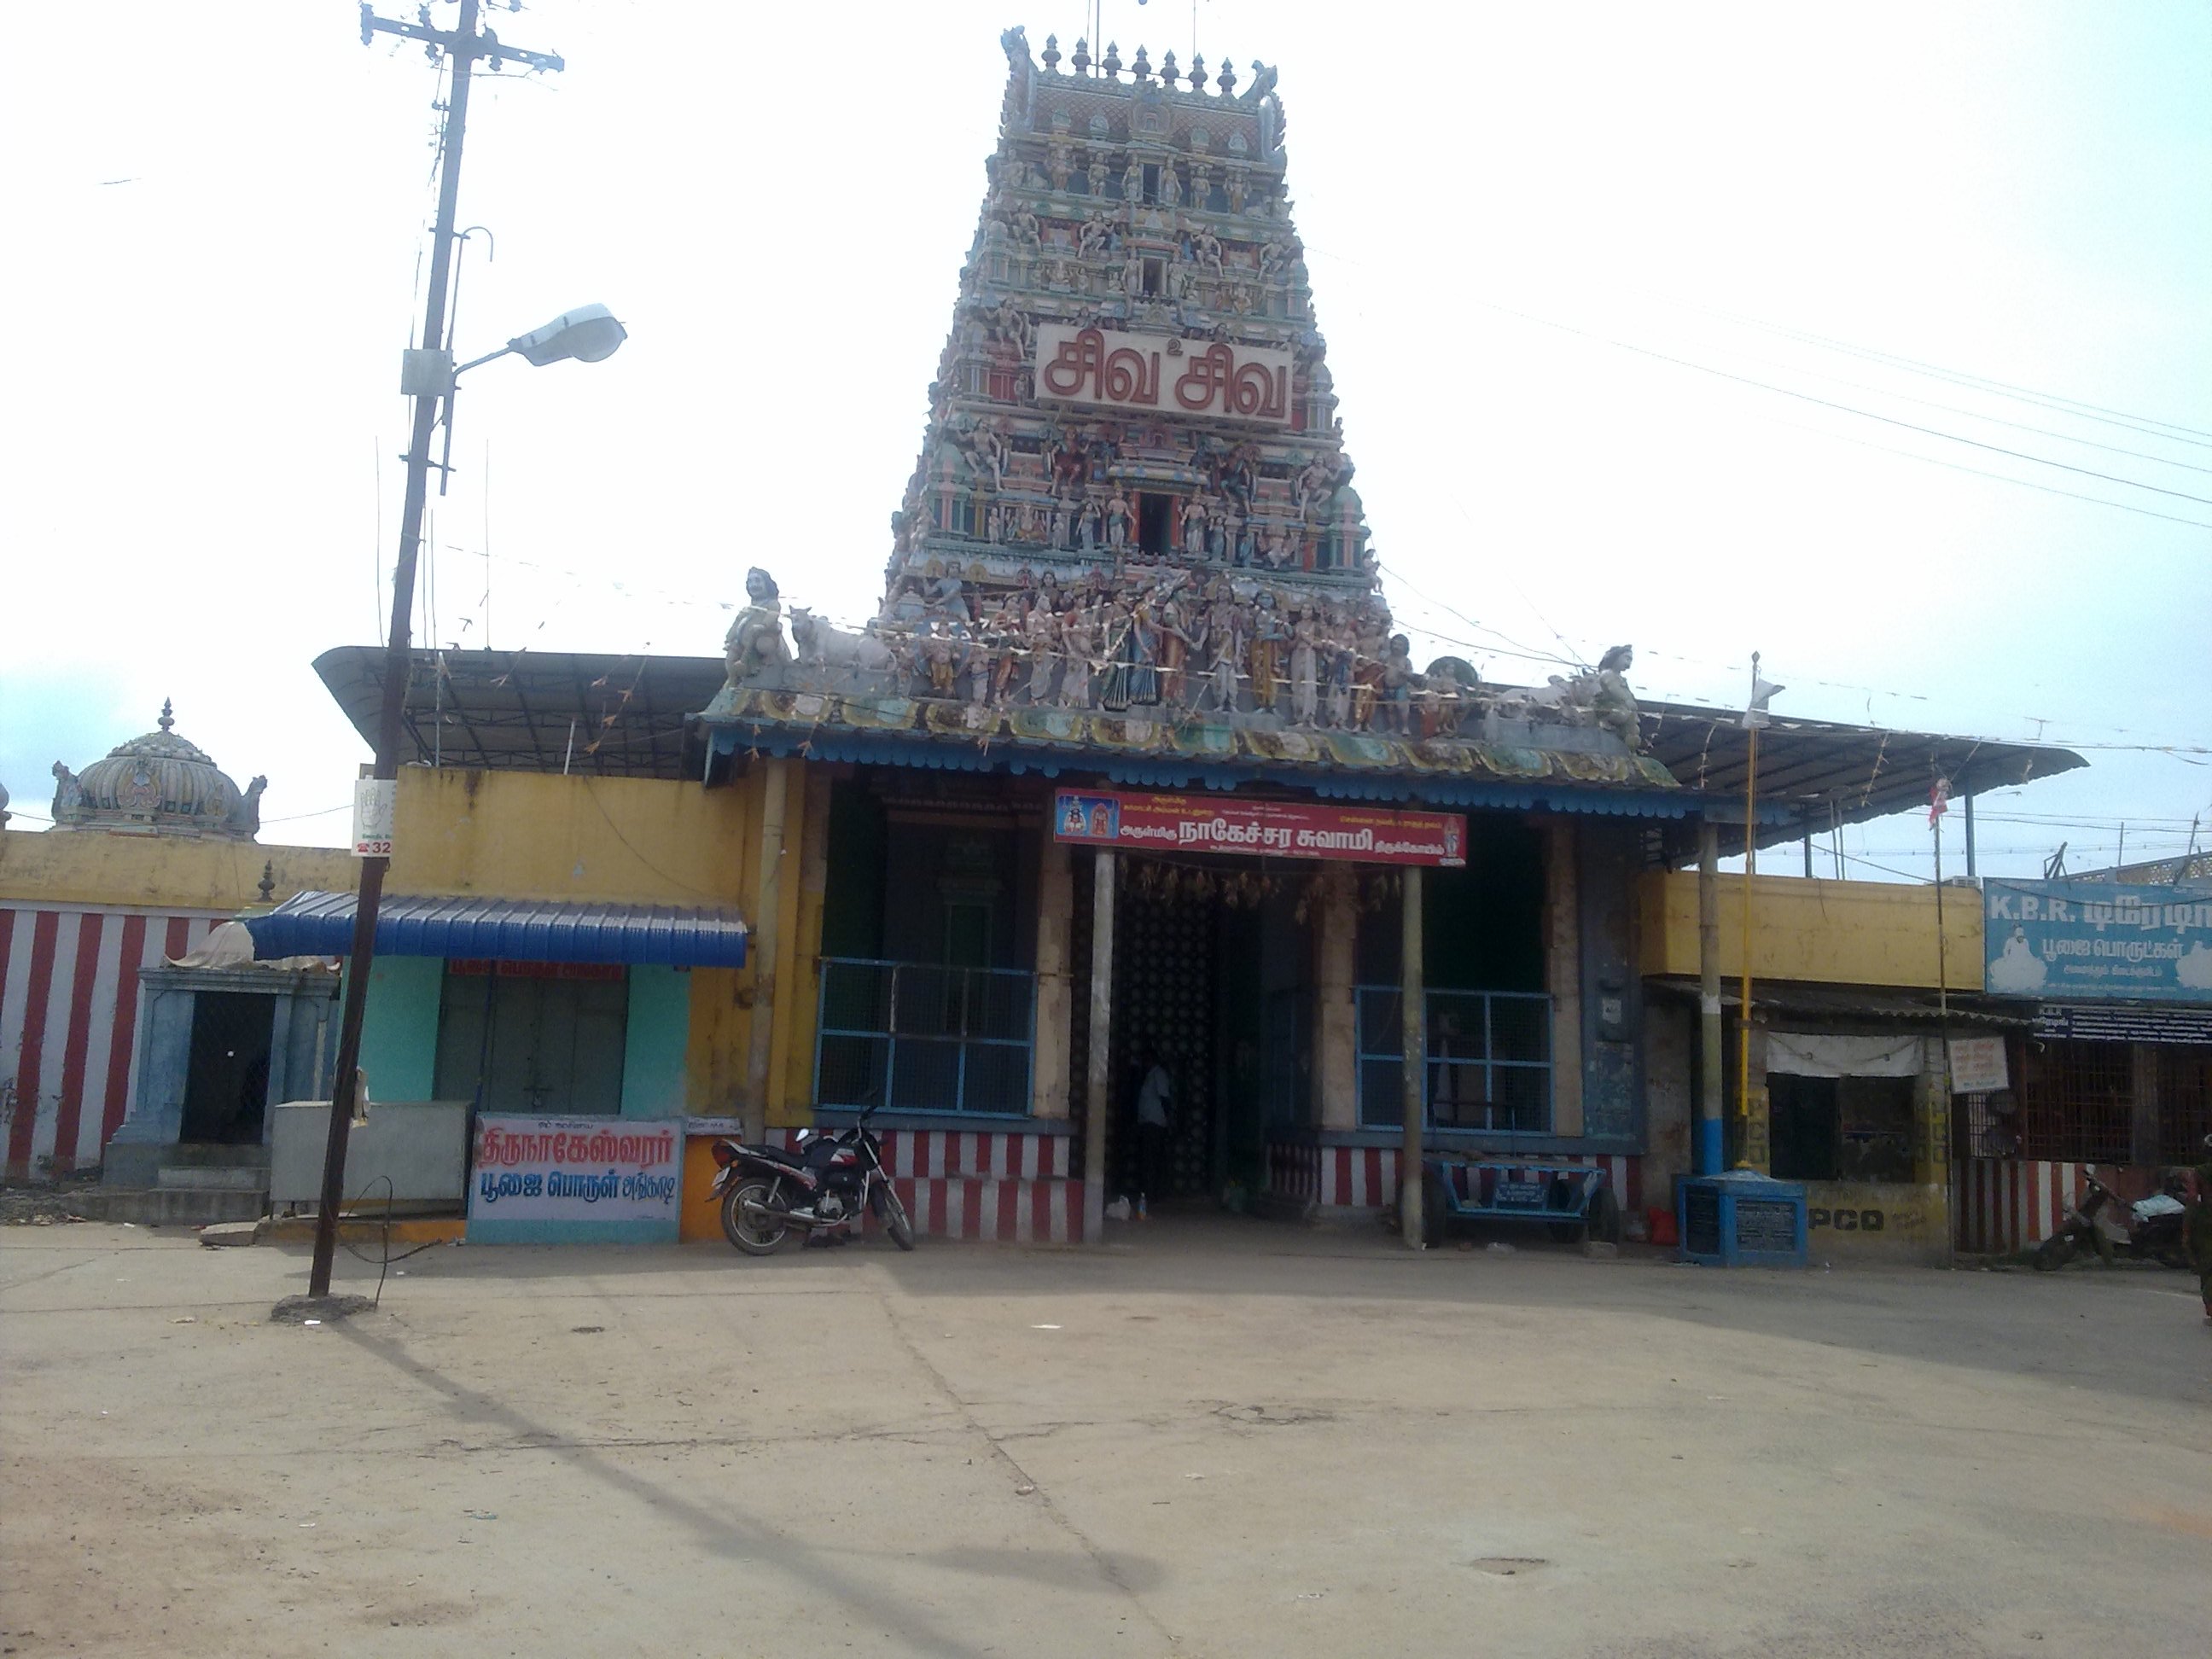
x=2003 y=1204
x=68 y=1015
x=1366 y=1177
x=1003 y=1185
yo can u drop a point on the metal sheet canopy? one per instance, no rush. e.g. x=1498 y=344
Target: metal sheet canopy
x=507 y=930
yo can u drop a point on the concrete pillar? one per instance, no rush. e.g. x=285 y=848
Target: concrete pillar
x=1562 y=975
x=1055 y=1001
x=762 y=948
x=1706 y=1149
x=2143 y=1117
x=1096 y=1089
x=1336 y=1032
x=1413 y=980
x=1931 y=1148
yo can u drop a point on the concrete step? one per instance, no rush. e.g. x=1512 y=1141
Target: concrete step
x=173 y=1206
x=203 y=1155
x=212 y=1179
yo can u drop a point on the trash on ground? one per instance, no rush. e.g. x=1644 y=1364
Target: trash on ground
x=1498 y=1246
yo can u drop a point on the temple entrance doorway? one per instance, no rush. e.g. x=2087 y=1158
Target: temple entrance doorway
x=1213 y=977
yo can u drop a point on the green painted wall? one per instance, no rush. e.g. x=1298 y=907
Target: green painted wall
x=660 y=1032
x=399 y=1029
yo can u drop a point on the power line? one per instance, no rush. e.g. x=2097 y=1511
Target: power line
x=2193 y=436
x=1847 y=409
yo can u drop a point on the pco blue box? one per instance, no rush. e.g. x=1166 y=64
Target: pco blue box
x=1742 y=1219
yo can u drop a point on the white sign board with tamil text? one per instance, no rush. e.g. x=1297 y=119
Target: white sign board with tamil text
x=1978 y=1065
x=546 y=1180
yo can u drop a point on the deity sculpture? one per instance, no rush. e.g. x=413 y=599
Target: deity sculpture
x=1194 y=527
x=1095 y=173
x=1174 y=644
x=1170 y=187
x=1133 y=181
x=68 y=794
x=1117 y=519
x=1226 y=634
x=755 y=642
x=1079 y=640
x=1269 y=639
x=1305 y=671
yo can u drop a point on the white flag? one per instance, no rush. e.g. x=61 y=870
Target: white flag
x=1762 y=693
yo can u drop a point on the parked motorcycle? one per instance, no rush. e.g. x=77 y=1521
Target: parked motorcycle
x=2148 y=1230
x=824 y=1186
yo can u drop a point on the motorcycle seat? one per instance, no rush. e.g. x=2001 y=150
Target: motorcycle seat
x=778 y=1155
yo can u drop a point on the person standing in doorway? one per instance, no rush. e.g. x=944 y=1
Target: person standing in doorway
x=1155 y=1100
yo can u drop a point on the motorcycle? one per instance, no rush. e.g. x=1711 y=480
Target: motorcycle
x=823 y=1185
x=2148 y=1230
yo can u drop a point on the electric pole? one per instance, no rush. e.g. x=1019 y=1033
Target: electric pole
x=464 y=44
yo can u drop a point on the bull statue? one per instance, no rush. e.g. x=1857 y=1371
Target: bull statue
x=823 y=645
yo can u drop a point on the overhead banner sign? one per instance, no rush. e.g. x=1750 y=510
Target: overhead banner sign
x=544 y=1180
x=2065 y=941
x=1264 y=828
x=1163 y=374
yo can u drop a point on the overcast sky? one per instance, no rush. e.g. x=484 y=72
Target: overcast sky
x=1614 y=296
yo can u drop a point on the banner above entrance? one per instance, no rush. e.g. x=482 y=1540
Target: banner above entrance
x=1156 y=371
x=1267 y=829
x=2084 y=939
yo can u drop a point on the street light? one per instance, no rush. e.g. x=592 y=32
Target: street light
x=589 y=334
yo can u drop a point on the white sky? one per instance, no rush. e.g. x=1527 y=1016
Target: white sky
x=218 y=219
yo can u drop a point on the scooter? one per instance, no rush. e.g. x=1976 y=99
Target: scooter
x=821 y=1186
x=2148 y=1230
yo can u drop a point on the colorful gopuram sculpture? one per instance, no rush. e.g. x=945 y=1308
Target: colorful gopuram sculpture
x=1133 y=498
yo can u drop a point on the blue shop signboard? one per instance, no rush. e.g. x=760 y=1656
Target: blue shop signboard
x=2076 y=940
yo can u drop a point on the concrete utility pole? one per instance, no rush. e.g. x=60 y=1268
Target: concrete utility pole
x=1712 y=1085
x=1413 y=1029
x=464 y=44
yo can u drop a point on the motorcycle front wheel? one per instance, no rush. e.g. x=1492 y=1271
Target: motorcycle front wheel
x=892 y=1215
x=2053 y=1253
x=753 y=1234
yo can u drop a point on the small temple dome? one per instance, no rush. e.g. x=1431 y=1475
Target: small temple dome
x=158 y=784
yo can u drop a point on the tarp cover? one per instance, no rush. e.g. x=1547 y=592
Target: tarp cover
x=476 y=928
x=1798 y=1053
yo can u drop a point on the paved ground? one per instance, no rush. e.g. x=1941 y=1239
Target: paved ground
x=1227 y=1438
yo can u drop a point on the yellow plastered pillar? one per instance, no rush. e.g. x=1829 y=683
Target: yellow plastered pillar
x=801 y=1008
x=1335 y=912
x=1562 y=975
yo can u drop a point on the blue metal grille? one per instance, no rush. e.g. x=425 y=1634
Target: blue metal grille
x=1489 y=1059
x=914 y=1036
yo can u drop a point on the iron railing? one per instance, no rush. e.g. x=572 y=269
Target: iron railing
x=1489 y=1059
x=913 y=1037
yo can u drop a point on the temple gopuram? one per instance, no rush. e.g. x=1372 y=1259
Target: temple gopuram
x=1127 y=852
x=1131 y=766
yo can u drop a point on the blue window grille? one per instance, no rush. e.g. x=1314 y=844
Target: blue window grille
x=1489 y=1061
x=913 y=1037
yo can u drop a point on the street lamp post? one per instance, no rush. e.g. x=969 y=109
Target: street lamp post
x=588 y=334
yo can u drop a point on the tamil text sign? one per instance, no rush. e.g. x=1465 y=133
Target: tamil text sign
x=374 y=799
x=2065 y=941
x=548 y=1177
x=1163 y=374
x=1269 y=828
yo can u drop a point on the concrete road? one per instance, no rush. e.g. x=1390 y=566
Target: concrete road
x=1221 y=1438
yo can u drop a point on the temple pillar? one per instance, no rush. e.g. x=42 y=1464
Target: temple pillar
x=1336 y=1013
x=1562 y=975
x=1050 y=1042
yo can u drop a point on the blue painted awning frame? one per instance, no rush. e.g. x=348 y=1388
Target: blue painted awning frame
x=469 y=927
x=879 y=749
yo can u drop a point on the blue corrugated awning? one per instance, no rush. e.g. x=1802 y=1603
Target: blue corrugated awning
x=506 y=930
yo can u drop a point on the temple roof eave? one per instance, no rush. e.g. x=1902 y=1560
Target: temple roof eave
x=935 y=736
